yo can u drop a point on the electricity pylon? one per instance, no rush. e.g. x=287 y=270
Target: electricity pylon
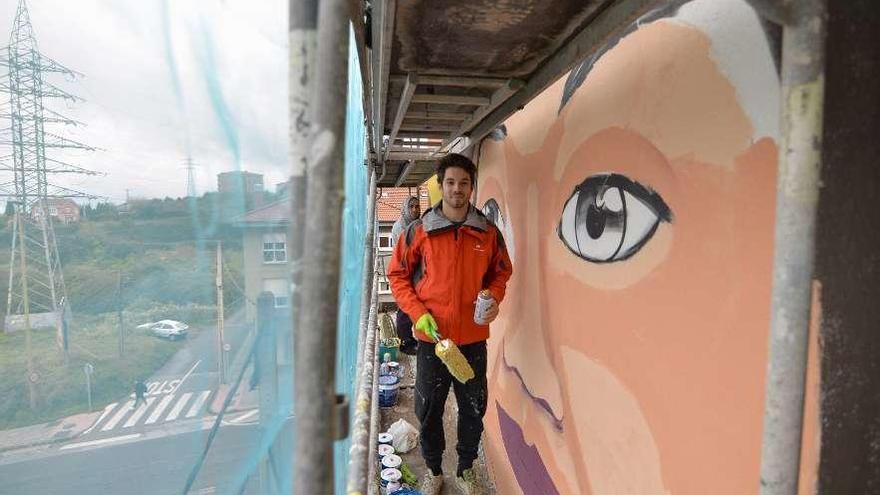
x=190 y=177
x=36 y=281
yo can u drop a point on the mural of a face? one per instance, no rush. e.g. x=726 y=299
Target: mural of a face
x=630 y=352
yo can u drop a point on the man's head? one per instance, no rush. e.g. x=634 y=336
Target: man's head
x=458 y=161
x=456 y=175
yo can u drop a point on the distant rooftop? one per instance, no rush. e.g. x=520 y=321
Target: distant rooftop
x=390 y=199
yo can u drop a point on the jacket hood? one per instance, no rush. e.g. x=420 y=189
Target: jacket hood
x=434 y=220
x=405 y=216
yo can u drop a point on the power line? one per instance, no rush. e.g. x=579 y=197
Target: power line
x=36 y=199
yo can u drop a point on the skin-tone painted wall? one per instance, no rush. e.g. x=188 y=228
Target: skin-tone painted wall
x=630 y=352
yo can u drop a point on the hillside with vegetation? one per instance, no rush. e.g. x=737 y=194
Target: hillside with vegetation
x=156 y=259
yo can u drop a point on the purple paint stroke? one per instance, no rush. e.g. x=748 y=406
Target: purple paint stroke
x=542 y=403
x=530 y=471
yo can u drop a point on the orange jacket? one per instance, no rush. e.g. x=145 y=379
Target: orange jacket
x=440 y=268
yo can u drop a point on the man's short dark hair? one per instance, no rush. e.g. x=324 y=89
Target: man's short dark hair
x=456 y=160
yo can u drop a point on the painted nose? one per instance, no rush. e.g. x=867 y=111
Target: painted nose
x=528 y=348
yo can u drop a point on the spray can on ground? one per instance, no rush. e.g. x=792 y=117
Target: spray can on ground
x=386 y=438
x=484 y=301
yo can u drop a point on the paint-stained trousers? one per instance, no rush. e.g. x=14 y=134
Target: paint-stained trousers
x=432 y=388
x=404 y=326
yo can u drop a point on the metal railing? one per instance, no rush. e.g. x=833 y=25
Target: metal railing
x=365 y=418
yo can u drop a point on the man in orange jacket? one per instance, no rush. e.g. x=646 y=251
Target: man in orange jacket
x=440 y=264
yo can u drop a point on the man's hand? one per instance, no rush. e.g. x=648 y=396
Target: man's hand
x=428 y=326
x=491 y=312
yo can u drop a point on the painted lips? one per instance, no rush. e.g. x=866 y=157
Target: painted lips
x=530 y=471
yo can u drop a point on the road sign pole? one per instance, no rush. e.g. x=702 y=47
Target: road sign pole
x=222 y=355
x=88 y=369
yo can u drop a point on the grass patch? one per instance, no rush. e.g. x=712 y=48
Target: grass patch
x=61 y=389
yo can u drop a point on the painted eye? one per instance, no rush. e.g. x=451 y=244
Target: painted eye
x=493 y=212
x=609 y=217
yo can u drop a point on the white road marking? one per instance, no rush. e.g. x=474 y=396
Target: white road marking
x=160 y=407
x=139 y=413
x=118 y=416
x=244 y=416
x=104 y=414
x=175 y=412
x=101 y=441
x=197 y=405
x=186 y=376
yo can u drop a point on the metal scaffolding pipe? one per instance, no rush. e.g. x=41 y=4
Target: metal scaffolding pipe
x=369 y=261
x=372 y=457
x=803 y=57
x=315 y=360
x=303 y=23
x=361 y=428
x=303 y=27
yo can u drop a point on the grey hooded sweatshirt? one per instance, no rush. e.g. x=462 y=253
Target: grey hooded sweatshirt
x=404 y=220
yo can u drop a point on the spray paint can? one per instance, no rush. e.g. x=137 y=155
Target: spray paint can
x=383 y=450
x=392 y=461
x=389 y=475
x=392 y=487
x=386 y=438
x=484 y=301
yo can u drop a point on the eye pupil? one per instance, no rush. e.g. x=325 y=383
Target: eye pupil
x=596 y=221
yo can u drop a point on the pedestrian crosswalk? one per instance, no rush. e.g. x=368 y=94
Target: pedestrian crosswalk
x=123 y=415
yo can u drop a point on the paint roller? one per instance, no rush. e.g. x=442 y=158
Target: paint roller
x=445 y=349
x=454 y=360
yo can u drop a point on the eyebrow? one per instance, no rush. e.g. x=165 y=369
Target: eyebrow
x=579 y=74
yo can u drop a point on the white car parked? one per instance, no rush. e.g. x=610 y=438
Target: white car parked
x=169 y=329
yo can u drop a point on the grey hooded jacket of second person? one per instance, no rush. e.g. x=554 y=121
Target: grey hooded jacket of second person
x=404 y=220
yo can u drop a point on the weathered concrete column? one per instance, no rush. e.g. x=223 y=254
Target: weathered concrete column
x=315 y=338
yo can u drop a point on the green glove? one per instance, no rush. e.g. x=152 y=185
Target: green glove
x=409 y=477
x=428 y=326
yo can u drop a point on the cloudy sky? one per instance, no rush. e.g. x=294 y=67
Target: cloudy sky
x=163 y=80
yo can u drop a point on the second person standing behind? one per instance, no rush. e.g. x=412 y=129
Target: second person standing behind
x=409 y=212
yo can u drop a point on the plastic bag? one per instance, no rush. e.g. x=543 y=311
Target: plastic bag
x=405 y=435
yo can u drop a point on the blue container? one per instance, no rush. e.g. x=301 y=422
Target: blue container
x=388 y=385
x=406 y=491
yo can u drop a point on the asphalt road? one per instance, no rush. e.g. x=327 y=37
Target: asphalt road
x=149 y=466
x=152 y=448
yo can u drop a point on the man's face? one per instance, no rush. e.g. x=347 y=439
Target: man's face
x=457 y=187
x=414 y=210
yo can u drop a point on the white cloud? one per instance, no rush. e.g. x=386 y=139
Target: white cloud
x=235 y=48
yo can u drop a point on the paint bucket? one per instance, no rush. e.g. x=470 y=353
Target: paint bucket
x=394 y=369
x=383 y=450
x=392 y=461
x=388 y=475
x=388 y=386
x=386 y=438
